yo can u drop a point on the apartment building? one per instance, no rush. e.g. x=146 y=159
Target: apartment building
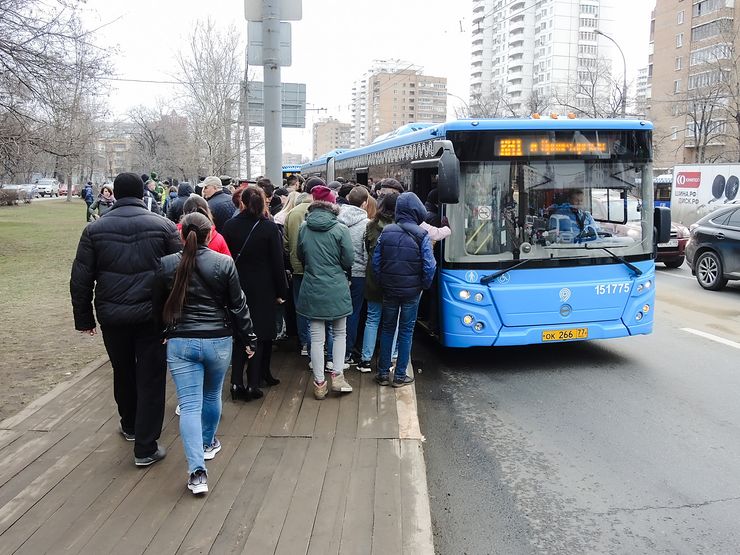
x=536 y=54
x=330 y=134
x=391 y=94
x=692 y=71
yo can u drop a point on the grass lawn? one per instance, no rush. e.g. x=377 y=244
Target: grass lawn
x=38 y=343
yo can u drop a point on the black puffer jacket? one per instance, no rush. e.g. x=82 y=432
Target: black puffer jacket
x=222 y=209
x=214 y=303
x=174 y=210
x=117 y=256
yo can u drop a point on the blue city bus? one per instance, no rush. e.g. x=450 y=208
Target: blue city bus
x=290 y=169
x=521 y=267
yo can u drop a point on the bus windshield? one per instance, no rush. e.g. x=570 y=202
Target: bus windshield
x=550 y=208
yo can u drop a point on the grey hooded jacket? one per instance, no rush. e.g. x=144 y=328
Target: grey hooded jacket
x=356 y=220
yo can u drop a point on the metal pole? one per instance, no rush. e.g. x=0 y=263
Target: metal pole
x=228 y=167
x=244 y=110
x=624 y=74
x=273 y=106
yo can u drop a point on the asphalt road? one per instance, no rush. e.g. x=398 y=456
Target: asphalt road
x=620 y=446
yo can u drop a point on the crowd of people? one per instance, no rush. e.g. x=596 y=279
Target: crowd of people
x=197 y=279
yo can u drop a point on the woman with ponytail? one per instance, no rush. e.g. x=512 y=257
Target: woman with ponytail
x=200 y=305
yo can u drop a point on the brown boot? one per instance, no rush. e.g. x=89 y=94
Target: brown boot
x=320 y=390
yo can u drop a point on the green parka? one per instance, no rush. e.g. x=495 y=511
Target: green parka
x=325 y=249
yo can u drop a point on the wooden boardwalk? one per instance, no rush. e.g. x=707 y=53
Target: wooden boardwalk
x=295 y=475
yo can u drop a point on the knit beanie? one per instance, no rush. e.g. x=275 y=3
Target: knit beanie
x=128 y=185
x=323 y=193
x=313 y=182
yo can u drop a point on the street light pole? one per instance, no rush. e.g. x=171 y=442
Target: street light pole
x=467 y=107
x=624 y=79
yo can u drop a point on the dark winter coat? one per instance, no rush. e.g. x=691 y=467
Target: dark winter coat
x=117 y=256
x=174 y=210
x=222 y=209
x=372 y=233
x=152 y=202
x=326 y=252
x=260 y=267
x=215 y=305
x=403 y=260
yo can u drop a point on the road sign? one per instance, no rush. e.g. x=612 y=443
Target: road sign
x=290 y=10
x=254 y=44
x=293 y=100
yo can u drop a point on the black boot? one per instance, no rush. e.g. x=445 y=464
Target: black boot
x=254 y=393
x=239 y=392
x=269 y=379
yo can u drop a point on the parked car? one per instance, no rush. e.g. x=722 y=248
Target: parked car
x=713 y=250
x=24 y=193
x=48 y=186
x=63 y=190
x=672 y=253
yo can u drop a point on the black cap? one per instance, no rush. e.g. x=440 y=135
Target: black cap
x=313 y=182
x=128 y=185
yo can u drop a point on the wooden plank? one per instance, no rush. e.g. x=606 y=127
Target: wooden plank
x=327 y=530
x=165 y=475
x=367 y=416
x=242 y=419
x=270 y=519
x=357 y=523
x=240 y=520
x=268 y=410
x=416 y=523
x=173 y=497
x=349 y=404
x=287 y=415
x=45 y=523
x=7 y=437
x=387 y=419
x=205 y=528
x=38 y=488
x=296 y=533
x=306 y=419
x=22 y=452
x=326 y=420
x=95 y=516
x=18 y=419
x=387 y=537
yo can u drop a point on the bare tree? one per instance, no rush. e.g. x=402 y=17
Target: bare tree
x=595 y=93
x=210 y=72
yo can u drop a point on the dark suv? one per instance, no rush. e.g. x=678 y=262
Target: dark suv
x=713 y=250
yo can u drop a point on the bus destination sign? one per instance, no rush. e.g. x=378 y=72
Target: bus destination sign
x=512 y=147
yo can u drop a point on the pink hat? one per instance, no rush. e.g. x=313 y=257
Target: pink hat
x=320 y=192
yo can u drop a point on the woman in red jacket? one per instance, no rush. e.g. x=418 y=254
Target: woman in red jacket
x=196 y=203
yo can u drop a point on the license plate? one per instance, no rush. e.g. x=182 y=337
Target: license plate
x=671 y=243
x=565 y=335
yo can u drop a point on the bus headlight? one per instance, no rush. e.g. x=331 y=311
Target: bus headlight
x=464 y=294
x=478 y=297
x=646 y=308
x=638 y=316
x=479 y=326
x=468 y=319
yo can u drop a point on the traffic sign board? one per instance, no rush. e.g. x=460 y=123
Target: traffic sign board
x=289 y=10
x=254 y=44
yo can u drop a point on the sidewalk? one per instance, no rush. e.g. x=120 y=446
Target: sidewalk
x=295 y=475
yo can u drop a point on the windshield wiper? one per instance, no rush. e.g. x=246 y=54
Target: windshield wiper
x=485 y=280
x=632 y=267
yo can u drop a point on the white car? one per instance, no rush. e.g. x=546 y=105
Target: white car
x=48 y=186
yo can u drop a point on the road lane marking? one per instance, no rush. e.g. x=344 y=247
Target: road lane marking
x=712 y=337
x=674 y=275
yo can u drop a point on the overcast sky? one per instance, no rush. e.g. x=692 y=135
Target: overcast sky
x=333 y=45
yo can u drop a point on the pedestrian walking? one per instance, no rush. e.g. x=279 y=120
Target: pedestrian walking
x=354 y=216
x=174 y=210
x=326 y=252
x=293 y=222
x=219 y=201
x=151 y=199
x=198 y=300
x=198 y=204
x=88 y=196
x=103 y=203
x=115 y=263
x=254 y=241
x=404 y=265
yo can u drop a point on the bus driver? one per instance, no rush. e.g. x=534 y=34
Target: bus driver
x=569 y=220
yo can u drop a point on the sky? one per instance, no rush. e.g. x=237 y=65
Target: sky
x=333 y=45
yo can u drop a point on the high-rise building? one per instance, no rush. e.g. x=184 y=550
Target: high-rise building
x=533 y=55
x=392 y=94
x=330 y=134
x=692 y=75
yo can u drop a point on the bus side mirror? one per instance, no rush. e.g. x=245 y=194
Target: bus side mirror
x=662 y=223
x=448 y=173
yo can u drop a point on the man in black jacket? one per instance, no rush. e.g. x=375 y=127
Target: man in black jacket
x=174 y=211
x=219 y=201
x=116 y=259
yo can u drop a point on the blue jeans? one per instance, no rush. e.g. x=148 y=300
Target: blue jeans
x=356 y=288
x=372 y=323
x=391 y=309
x=198 y=367
x=304 y=336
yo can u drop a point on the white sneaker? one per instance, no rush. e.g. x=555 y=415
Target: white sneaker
x=340 y=384
x=330 y=366
x=177 y=410
x=209 y=451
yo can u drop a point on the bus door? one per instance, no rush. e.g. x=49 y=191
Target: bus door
x=424 y=175
x=361 y=175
